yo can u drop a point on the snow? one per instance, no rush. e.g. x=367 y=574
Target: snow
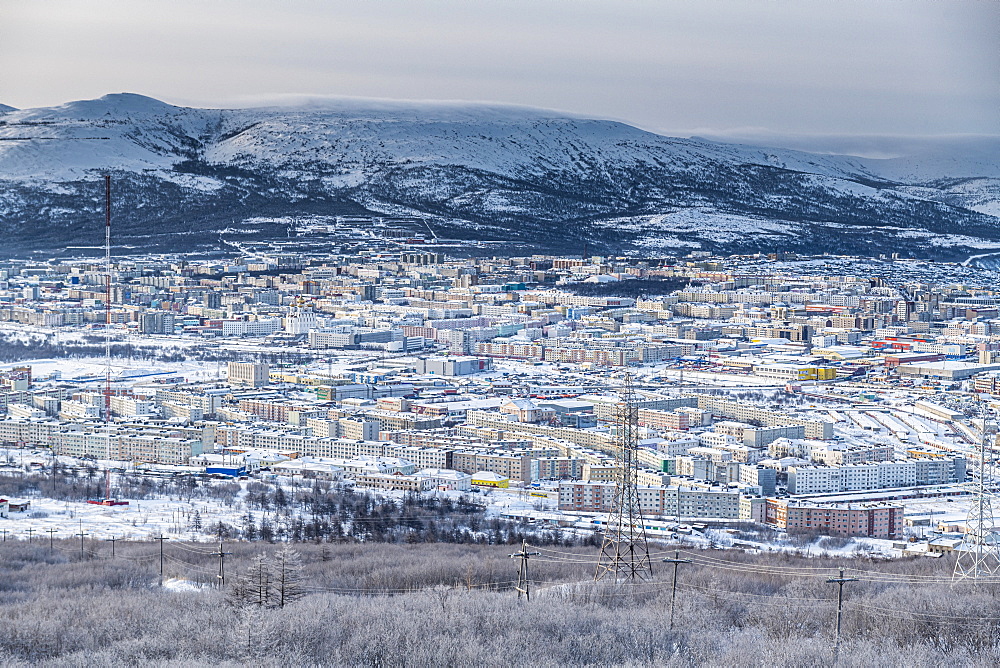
x=114 y=104
x=393 y=157
x=955 y=158
x=356 y=139
x=660 y=230
x=181 y=586
x=140 y=520
x=192 y=181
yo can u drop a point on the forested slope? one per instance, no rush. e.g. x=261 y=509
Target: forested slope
x=418 y=605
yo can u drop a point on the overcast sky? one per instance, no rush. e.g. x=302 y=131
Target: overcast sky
x=740 y=68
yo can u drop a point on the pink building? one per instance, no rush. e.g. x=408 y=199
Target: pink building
x=875 y=520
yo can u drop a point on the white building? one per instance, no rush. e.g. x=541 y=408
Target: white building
x=125 y=406
x=447 y=479
x=875 y=475
x=250 y=327
x=301 y=323
x=250 y=374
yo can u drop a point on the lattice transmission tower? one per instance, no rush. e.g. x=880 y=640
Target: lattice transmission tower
x=979 y=554
x=624 y=552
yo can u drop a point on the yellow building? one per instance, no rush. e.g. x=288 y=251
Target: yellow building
x=487 y=479
x=792 y=372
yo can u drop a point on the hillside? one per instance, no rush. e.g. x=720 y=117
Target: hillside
x=374 y=604
x=506 y=173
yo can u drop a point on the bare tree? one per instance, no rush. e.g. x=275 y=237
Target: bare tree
x=287 y=568
x=253 y=587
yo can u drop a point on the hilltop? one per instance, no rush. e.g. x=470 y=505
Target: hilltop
x=540 y=177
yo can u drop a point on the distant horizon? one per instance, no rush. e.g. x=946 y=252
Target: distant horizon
x=871 y=146
x=782 y=68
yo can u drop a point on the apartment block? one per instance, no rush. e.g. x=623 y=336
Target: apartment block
x=875 y=520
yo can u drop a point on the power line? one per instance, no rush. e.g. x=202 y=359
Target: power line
x=188 y=565
x=979 y=555
x=624 y=551
x=112 y=539
x=936 y=618
x=523 y=581
x=594 y=589
x=222 y=565
x=161 y=538
x=806 y=572
x=840 y=582
x=705 y=557
x=760 y=599
x=188 y=548
x=82 y=534
x=676 y=561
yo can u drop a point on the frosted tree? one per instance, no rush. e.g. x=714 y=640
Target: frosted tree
x=254 y=586
x=287 y=568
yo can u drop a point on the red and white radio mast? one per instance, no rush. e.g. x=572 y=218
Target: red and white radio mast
x=107 y=297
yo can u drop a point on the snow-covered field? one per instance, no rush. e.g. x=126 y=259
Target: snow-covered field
x=140 y=520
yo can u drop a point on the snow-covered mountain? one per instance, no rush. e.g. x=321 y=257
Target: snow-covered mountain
x=554 y=180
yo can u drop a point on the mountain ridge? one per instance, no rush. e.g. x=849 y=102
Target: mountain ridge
x=532 y=176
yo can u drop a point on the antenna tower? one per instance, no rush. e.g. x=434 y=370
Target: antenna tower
x=107 y=297
x=979 y=554
x=624 y=552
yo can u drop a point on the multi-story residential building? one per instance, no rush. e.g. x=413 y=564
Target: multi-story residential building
x=249 y=374
x=157 y=322
x=764 y=477
x=671 y=501
x=655 y=419
x=406 y=483
x=557 y=468
x=875 y=520
x=875 y=475
x=184 y=412
x=126 y=406
x=852 y=454
x=814 y=428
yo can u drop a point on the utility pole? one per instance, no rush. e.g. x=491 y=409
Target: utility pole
x=840 y=581
x=112 y=539
x=30 y=531
x=4 y=535
x=81 y=535
x=51 y=531
x=161 y=538
x=222 y=564
x=52 y=453
x=676 y=561
x=523 y=582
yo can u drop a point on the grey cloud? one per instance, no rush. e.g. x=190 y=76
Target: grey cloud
x=794 y=67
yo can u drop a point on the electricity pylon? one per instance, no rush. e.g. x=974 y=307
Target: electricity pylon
x=978 y=555
x=624 y=553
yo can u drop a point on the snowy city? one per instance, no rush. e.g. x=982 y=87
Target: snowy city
x=424 y=333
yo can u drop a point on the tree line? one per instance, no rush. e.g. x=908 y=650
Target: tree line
x=317 y=512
